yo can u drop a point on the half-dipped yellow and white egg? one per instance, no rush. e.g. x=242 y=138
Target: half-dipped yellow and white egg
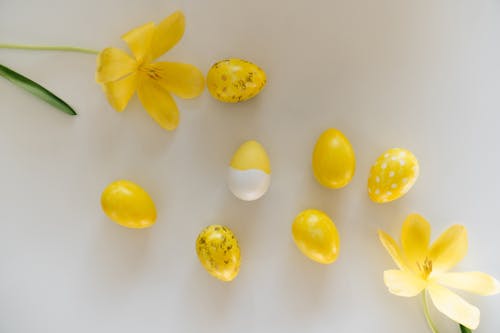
x=249 y=174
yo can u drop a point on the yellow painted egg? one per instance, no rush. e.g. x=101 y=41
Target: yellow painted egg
x=392 y=175
x=316 y=236
x=219 y=252
x=249 y=174
x=333 y=159
x=128 y=204
x=235 y=80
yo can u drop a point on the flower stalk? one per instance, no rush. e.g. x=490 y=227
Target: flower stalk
x=427 y=314
x=47 y=48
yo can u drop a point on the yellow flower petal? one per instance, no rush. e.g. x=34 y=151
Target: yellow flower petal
x=403 y=283
x=167 y=34
x=474 y=282
x=393 y=249
x=449 y=248
x=159 y=104
x=453 y=306
x=415 y=237
x=183 y=80
x=113 y=64
x=119 y=92
x=139 y=41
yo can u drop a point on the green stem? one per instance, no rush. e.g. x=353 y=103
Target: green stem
x=48 y=48
x=427 y=314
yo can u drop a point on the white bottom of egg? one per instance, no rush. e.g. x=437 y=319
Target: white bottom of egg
x=249 y=184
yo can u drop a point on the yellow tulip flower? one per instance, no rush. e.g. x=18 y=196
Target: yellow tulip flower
x=424 y=268
x=122 y=75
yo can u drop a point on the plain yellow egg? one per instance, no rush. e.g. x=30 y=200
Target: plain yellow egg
x=128 y=204
x=316 y=236
x=235 y=80
x=219 y=252
x=393 y=175
x=333 y=159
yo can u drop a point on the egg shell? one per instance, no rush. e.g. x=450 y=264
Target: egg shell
x=235 y=80
x=393 y=175
x=249 y=173
x=316 y=236
x=128 y=204
x=333 y=160
x=219 y=253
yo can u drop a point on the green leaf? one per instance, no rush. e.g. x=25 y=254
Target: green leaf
x=464 y=329
x=35 y=89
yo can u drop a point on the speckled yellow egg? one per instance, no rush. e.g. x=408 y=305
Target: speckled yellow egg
x=128 y=204
x=316 y=236
x=235 y=80
x=219 y=252
x=249 y=174
x=392 y=175
x=333 y=159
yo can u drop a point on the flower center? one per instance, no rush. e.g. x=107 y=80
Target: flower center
x=425 y=268
x=152 y=72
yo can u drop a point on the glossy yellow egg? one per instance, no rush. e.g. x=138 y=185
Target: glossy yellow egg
x=218 y=251
x=235 y=80
x=392 y=175
x=128 y=204
x=333 y=159
x=316 y=236
x=249 y=174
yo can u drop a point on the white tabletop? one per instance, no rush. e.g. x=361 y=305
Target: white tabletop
x=423 y=75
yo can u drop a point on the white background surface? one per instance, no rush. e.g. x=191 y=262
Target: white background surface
x=423 y=75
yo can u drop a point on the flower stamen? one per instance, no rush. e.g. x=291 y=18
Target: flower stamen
x=425 y=268
x=152 y=73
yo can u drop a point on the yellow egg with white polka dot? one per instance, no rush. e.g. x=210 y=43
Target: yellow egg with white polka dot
x=249 y=174
x=393 y=175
